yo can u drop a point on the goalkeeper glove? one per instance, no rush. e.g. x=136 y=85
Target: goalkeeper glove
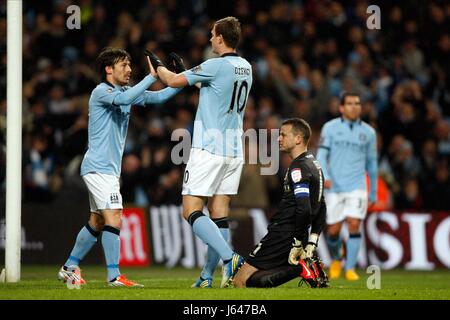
x=312 y=245
x=177 y=62
x=154 y=59
x=296 y=252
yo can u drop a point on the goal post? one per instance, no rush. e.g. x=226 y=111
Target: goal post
x=13 y=140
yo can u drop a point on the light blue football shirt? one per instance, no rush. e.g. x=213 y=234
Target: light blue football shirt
x=226 y=83
x=346 y=151
x=109 y=114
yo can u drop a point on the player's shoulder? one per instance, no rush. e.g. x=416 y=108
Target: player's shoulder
x=299 y=168
x=235 y=60
x=102 y=88
x=245 y=61
x=213 y=61
x=211 y=64
x=332 y=123
x=302 y=162
x=367 y=127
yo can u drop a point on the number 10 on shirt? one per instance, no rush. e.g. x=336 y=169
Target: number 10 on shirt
x=242 y=85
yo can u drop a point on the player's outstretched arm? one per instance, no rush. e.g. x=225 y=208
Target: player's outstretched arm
x=127 y=97
x=168 y=77
x=134 y=94
x=160 y=96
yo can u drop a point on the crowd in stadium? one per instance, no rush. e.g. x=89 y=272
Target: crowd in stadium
x=304 y=55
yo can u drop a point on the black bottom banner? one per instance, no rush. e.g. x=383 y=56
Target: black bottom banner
x=230 y=309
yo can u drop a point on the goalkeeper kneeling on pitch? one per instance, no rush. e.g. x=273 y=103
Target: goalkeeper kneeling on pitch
x=287 y=251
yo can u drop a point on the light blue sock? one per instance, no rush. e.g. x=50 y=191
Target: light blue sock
x=212 y=258
x=86 y=239
x=208 y=231
x=353 y=244
x=334 y=245
x=111 y=247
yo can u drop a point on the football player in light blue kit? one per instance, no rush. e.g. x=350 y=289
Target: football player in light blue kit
x=347 y=150
x=216 y=159
x=109 y=113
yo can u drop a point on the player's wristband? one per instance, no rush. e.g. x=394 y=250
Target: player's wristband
x=313 y=239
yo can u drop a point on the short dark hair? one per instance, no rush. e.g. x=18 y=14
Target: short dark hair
x=109 y=57
x=230 y=29
x=347 y=94
x=299 y=126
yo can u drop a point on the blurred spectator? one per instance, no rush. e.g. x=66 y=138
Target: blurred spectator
x=405 y=164
x=409 y=197
x=42 y=180
x=442 y=132
x=437 y=188
x=58 y=103
x=413 y=60
x=384 y=196
x=131 y=181
x=168 y=189
x=428 y=159
x=254 y=192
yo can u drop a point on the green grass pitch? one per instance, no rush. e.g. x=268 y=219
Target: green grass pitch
x=39 y=282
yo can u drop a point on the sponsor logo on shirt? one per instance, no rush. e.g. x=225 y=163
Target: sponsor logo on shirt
x=296 y=175
x=114 y=199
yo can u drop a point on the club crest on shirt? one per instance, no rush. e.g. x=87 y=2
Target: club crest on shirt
x=296 y=175
x=196 y=69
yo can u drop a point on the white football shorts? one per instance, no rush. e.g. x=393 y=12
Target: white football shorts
x=104 y=191
x=341 y=205
x=207 y=174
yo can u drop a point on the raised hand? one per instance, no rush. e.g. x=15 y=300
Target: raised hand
x=152 y=70
x=154 y=59
x=177 y=62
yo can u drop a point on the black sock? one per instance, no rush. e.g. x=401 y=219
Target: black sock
x=273 y=277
